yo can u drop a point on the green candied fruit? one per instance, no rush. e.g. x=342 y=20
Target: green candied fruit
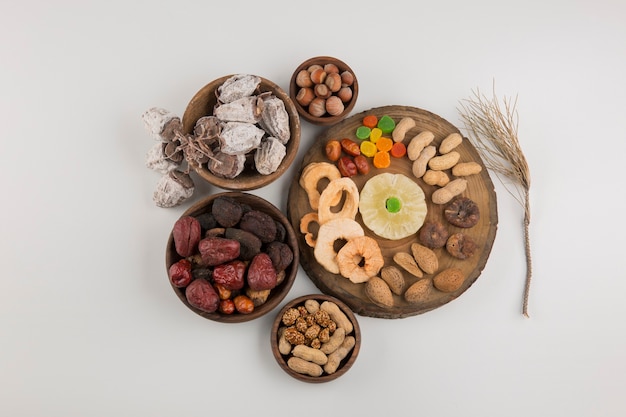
x=393 y=205
x=386 y=124
x=363 y=132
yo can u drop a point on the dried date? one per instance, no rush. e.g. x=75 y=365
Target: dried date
x=261 y=273
x=201 y=295
x=187 y=232
x=230 y=275
x=218 y=250
x=180 y=273
x=346 y=166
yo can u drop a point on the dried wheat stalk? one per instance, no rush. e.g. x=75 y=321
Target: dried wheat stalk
x=492 y=127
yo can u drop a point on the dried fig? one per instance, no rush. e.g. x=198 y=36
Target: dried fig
x=433 y=235
x=462 y=212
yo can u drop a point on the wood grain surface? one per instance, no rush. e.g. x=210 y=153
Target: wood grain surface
x=480 y=189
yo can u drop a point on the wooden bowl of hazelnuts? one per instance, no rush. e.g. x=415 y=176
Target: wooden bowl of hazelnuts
x=324 y=90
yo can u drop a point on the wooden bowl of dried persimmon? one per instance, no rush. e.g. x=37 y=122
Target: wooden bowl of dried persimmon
x=315 y=338
x=232 y=257
x=244 y=130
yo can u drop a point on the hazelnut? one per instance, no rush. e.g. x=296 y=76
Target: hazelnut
x=303 y=79
x=333 y=81
x=334 y=106
x=331 y=68
x=345 y=94
x=347 y=78
x=318 y=75
x=322 y=90
x=305 y=96
x=317 y=108
x=313 y=67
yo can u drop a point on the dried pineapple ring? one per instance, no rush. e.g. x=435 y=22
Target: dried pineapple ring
x=350 y=255
x=392 y=205
x=329 y=233
x=332 y=194
x=311 y=176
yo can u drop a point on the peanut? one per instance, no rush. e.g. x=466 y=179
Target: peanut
x=421 y=163
x=335 y=358
x=284 y=347
x=451 y=190
x=464 y=169
x=334 y=342
x=310 y=354
x=407 y=262
x=337 y=316
x=394 y=278
x=418 y=291
x=301 y=366
x=442 y=162
x=450 y=142
x=425 y=257
x=401 y=128
x=418 y=143
x=312 y=306
x=438 y=178
x=379 y=292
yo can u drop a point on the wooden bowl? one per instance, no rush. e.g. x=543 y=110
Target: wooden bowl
x=345 y=364
x=326 y=119
x=278 y=293
x=202 y=104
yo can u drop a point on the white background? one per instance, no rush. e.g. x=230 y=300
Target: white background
x=89 y=325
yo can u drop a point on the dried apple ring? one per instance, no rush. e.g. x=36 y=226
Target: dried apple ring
x=333 y=194
x=311 y=176
x=361 y=249
x=305 y=221
x=330 y=232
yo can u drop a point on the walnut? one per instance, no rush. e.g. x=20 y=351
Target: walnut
x=312 y=332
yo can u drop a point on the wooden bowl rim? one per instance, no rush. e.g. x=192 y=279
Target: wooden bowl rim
x=346 y=363
x=276 y=297
x=247 y=180
x=324 y=120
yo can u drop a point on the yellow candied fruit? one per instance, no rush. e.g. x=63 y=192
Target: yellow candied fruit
x=368 y=148
x=375 y=134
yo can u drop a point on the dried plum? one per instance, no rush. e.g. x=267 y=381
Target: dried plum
x=260 y=224
x=226 y=211
x=249 y=243
x=280 y=254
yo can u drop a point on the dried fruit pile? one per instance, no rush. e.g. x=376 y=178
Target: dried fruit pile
x=247 y=128
x=393 y=207
x=231 y=257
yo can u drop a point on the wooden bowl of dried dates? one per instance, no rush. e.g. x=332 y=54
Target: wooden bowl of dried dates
x=315 y=338
x=324 y=90
x=243 y=132
x=232 y=257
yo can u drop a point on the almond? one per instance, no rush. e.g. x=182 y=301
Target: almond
x=418 y=291
x=394 y=278
x=378 y=291
x=449 y=280
x=426 y=258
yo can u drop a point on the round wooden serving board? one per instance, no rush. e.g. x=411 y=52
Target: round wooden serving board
x=480 y=189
